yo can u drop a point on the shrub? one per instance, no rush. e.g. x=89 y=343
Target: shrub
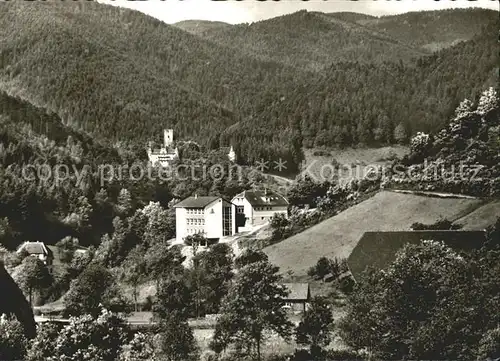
x=489 y=346
x=326 y=266
x=321 y=153
x=140 y=348
x=344 y=355
x=12 y=340
x=42 y=346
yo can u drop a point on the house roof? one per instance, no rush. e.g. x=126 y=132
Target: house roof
x=378 y=249
x=196 y=202
x=298 y=291
x=34 y=248
x=263 y=198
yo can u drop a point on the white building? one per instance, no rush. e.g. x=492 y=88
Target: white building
x=259 y=207
x=39 y=250
x=166 y=154
x=214 y=217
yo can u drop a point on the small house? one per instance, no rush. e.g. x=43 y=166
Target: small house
x=39 y=250
x=298 y=298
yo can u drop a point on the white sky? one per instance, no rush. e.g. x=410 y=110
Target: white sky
x=247 y=11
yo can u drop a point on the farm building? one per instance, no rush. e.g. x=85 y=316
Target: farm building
x=299 y=296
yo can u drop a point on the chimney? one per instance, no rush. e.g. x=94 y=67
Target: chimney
x=196 y=195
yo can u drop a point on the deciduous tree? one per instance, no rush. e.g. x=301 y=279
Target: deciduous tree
x=33 y=275
x=253 y=306
x=316 y=326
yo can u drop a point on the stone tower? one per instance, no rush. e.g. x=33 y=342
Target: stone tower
x=168 y=137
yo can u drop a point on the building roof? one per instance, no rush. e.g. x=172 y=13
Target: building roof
x=378 y=249
x=196 y=202
x=298 y=291
x=35 y=247
x=263 y=198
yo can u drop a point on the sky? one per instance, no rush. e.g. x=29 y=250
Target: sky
x=248 y=11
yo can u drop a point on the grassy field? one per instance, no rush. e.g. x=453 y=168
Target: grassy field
x=337 y=236
x=482 y=217
x=351 y=160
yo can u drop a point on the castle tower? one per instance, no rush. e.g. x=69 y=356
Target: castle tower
x=232 y=154
x=168 y=137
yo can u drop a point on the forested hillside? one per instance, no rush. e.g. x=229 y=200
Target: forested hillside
x=122 y=75
x=53 y=183
x=353 y=103
x=199 y=27
x=312 y=41
x=433 y=30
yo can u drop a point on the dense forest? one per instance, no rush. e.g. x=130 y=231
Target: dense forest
x=116 y=72
x=53 y=183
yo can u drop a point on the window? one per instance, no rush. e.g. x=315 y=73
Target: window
x=240 y=209
x=227 y=221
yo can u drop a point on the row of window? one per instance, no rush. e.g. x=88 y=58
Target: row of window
x=195 y=221
x=194 y=211
x=194 y=231
x=263 y=208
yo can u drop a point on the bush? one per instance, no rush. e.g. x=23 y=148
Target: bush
x=301 y=355
x=88 y=338
x=12 y=340
x=489 y=346
x=344 y=355
x=321 y=153
x=326 y=266
x=346 y=285
x=42 y=346
x=140 y=348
